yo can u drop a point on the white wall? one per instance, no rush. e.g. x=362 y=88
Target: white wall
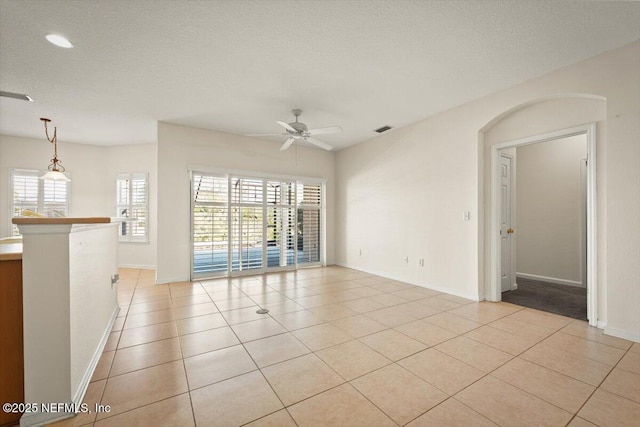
x=134 y=159
x=181 y=146
x=85 y=163
x=404 y=193
x=549 y=209
x=92 y=170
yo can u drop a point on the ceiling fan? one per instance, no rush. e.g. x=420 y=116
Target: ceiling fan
x=298 y=130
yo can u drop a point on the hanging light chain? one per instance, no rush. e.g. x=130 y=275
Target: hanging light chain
x=56 y=164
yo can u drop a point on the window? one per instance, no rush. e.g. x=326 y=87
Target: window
x=244 y=223
x=46 y=197
x=132 y=203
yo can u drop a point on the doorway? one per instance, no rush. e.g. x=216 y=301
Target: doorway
x=503 y=242
x=545 y=226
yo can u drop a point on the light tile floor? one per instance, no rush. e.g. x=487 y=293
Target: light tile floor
x=341 y=347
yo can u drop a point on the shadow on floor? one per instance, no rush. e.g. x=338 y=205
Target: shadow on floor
x=565 y=300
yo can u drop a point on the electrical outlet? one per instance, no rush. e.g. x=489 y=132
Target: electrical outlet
x=406 y=259
x=421 y=262
x=360 y=252
x=467 y=215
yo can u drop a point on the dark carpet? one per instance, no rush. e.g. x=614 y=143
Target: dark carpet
x=567 y=301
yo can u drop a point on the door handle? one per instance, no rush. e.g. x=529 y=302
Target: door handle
x=510 y=231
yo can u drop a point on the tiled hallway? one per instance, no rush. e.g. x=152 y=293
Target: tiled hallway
x=341 y=347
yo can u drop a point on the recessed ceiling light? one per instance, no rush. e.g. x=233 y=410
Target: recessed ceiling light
x=59 y=41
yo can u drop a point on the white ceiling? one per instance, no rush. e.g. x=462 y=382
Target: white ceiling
x=237 y=66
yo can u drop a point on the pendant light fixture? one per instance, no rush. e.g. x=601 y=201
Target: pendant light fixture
x=55 y=170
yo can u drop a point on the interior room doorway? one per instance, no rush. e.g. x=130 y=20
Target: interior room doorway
x=542 y=227
x=578 y=280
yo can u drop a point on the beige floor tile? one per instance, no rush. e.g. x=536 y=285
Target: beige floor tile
x=358 y=326
x=417 y=309
x=583 y=330
x=583 y=347
x=284 y=307
x=190 y=300
x=635 y=348
x=623 y=383
x=250 y=331
x=146 y=307
x=630 y=362
x=553 y=387
x=175 y=411
x=391 y=286
x=340 y=406
x=333 y=312
x=542 y=319
x=387 y=300
x=366 y=291
x=508 y=405
x=440 y=303
x=415 y=293
x=502 y=340
x=573 y=365
x=222 y=293
x=145 y=355
x=390 y=317
x=112 y=341
x=138 y=388
x=146 y=334
x=235 y=401
x=579 y=422
x=453 y=323
x=186 y=311
x=399 y=393
x=458 y=299
x=273 y=297
x=150 y=318
x=192 y=325
x=298 y=320
x=104 y=366
x=352 y=359
x=234 y=304
x=521 y=329
x=425 y=332
x=451 y=413
x=280 y=418
x=485 y=312
x=118 y=324
x=363 y=305
x=321 y=336
x=203 y=342
x=393 y=344
x=276 y=349
x=242 y=315
x=209 y=368
x=91 y=398
x=476 y=354
x=608 y=409
x=445 y=372
x=300 y=378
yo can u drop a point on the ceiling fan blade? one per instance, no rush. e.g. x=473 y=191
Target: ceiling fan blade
x=319 y=131
x=287 y=126
x=319 y=143
x=287 y=144
x=266 y=134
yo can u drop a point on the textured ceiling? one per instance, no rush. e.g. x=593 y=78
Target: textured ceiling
x=237 y=66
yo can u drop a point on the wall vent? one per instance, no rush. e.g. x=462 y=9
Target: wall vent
x=383 y=129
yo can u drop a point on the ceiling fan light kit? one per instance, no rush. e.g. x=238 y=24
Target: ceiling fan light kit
x=297 y=130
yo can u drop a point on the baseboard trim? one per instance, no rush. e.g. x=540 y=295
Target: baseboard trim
x=622 y=333
x=138 y=266
x=601 y=324
x=43 y=418
x=174 y=279
x=549 y=279
x=470 y=296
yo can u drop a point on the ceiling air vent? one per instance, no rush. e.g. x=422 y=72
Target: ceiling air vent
x=383 y=129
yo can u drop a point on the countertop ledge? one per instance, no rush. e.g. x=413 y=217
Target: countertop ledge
x=10 y=251
x=64 y=220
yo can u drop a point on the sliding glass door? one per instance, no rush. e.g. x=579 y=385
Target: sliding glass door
x=247 y=224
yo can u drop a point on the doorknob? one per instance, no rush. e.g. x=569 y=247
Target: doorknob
x=510 y=231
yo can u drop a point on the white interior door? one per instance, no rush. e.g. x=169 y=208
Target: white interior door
x=505 y=222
